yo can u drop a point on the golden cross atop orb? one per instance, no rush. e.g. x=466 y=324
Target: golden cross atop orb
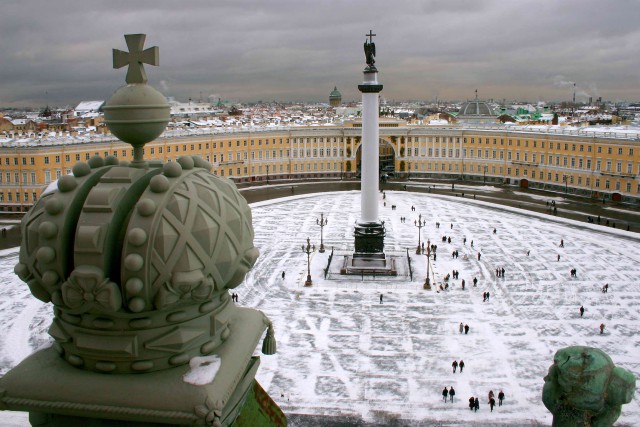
x=135 y=58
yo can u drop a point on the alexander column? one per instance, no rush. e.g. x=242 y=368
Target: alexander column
x=369 y=231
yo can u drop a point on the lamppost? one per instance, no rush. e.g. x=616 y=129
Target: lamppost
x=427 y=282
x=341 y=166
x=564 y=178
x=321 y=222
x=309 y=249
x=484 y=176
x=419 y=223
x=267 y=174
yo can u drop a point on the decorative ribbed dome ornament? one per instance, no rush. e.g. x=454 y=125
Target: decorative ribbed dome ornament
x=137 y=259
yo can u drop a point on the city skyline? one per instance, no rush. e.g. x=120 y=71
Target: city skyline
x=60 y=53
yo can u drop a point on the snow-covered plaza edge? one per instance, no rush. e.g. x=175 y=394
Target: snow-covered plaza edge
x=341 y=352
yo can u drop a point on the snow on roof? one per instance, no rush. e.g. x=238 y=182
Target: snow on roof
x=87 y=106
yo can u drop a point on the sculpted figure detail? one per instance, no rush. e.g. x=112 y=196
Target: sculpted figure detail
x=584 y=387
x=370 y=52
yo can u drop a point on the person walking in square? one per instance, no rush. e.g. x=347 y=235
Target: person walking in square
x=445 y=393
x=455 y=366
x=492 y=403
x=461 y=365
x=472 y=403
x=452 y=393
x=581 y=311
x=380 y=298
x=476 y=404
x=461 y=327
x=500 y=398
x=466 y=329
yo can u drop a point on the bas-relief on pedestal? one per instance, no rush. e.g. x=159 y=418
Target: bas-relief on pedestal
x=137 y=259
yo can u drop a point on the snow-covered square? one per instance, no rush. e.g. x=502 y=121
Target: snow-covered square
x=341 y=351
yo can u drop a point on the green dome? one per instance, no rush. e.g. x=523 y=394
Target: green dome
x=335 y=93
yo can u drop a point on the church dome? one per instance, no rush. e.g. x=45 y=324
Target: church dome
x=476 y=112
x=475 y=108
x=335 y=97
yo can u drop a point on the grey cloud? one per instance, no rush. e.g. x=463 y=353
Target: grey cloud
x=298 y=50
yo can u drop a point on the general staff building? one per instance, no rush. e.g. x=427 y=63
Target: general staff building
x=590 y=163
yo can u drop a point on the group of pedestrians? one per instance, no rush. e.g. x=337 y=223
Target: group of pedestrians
x=448 y=393
x=474 y=402
x=582 y=310
x=464 y=328
x=457 y=364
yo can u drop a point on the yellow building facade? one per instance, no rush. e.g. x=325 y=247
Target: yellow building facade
x=592 y=164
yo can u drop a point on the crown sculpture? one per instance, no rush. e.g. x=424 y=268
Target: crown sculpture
x=137 y=259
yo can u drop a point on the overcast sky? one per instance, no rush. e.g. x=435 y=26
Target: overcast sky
x=298 y=50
